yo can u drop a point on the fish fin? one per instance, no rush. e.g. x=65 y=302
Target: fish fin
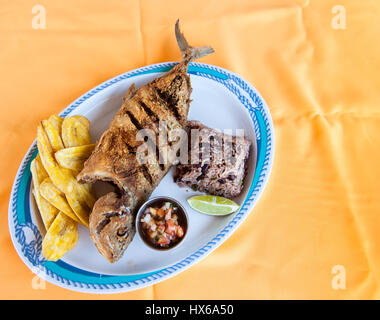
x=188 y=52
x=130 y=92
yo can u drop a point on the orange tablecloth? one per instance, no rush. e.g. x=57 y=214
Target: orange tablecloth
x=320 y=208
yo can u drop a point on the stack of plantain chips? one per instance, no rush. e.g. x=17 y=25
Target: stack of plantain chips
x=63 y=145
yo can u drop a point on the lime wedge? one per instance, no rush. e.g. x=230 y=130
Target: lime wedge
x=213 y=205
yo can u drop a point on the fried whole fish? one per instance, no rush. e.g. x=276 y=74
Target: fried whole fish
x=114 y=159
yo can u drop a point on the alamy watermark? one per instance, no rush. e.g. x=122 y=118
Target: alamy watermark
x=39 y=17
x=338 y=20
x=37 y=282
x=338 y=281
x=192 y=146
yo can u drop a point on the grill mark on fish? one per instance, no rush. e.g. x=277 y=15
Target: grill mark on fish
x=131 y=149
x=148 y=111
x=170 y=101
x=145 y=172
x=134 y=120
x=157 y=153
x=175 y=86
x=116 y=140
x=127 y=174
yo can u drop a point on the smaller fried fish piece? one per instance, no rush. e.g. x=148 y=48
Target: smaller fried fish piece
x=112 y=225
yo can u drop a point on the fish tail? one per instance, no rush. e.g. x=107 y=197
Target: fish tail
x=188 y=52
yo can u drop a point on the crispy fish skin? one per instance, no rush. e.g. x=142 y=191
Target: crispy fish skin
x=166 y=98
x=114 y=158
x=112 y=225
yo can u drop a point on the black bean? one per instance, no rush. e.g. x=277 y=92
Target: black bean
x=205 y=168
x=201 y=176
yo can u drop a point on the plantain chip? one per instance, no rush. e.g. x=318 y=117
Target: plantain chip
x=47 y=211
x=60 y=237
x=60 y=176
x=56 y=198
x=53 y=129
x=75 y=131
x=73 y=158
x=78 y=196
x=38 y=171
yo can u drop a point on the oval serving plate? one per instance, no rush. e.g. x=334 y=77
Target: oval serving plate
x=221 y=99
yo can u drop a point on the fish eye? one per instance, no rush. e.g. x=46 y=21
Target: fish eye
x=121 y=232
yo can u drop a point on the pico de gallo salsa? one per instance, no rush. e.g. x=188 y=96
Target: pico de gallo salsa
x=163 y=224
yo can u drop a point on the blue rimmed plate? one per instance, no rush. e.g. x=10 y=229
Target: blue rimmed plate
x=221 y=99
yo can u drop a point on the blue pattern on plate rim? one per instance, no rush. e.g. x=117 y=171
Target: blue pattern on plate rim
x=28 y=236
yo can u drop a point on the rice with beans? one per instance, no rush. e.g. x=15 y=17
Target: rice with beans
x=217 y=162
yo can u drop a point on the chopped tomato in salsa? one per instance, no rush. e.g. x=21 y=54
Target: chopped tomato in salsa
x=161 y=225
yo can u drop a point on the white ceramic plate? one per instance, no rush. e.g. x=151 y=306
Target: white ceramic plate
x=221 y=100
